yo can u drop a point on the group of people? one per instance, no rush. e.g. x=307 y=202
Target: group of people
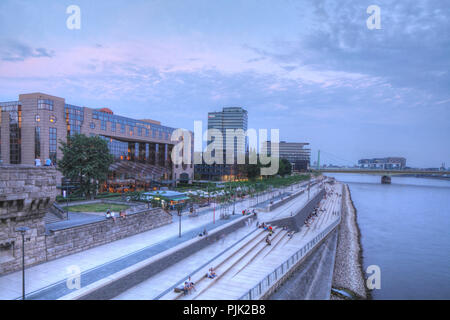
x=211 y=273
x=112 y=215
x=265 y=227
x=188 y=286
x=248 y=212
x=310 y=219
x=204 y=233
x=290 y=233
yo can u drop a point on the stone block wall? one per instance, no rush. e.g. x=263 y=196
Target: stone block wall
x=26 y=192
x=75 y=239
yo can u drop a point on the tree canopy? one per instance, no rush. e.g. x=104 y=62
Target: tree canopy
x=285 y=168
x=85 y=160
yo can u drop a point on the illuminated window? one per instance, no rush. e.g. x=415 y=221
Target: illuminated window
x=37 y=143
x=52 y=144
x=52 y=119
x=45 y=104
x=15 y=141
x=38 y=118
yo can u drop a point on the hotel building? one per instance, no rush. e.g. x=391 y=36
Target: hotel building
x=294 y=152
x=230 y=118
x=31 y=128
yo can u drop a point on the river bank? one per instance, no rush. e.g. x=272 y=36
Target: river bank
x=348 y=269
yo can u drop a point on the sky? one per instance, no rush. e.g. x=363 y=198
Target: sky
x=310 y=68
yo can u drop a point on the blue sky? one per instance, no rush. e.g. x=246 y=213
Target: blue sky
x=310 y=68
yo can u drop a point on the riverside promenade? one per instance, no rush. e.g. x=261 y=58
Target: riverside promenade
x=49 y=280
x=246 y=266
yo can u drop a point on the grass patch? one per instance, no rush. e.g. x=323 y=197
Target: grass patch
x=98 y=207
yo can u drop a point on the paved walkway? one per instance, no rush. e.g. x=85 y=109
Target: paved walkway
x=48 y=280
x=154 y=287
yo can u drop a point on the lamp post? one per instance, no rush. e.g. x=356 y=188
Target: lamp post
x=234 y=200
x=179 y=216
x=309 y=186
x=22 y=231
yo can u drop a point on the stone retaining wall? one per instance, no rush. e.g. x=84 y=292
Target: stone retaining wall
x=296 y=221
x=26 y=193
x=71 y=240
x=281 y=202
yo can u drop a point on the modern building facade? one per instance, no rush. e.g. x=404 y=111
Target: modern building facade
x=383 y=163
x=294 y=152
x=230 y=118
x=32 y=127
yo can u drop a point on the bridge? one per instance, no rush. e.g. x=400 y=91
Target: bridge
x=386 y=173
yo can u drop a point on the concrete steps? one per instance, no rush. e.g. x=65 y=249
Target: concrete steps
x=219 y=265
x=240 y=257
x=50 y=217
x=220 y=286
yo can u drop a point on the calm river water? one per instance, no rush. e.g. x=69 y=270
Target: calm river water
x=405 y=230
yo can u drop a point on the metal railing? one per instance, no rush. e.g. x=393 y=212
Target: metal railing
x=266 y=283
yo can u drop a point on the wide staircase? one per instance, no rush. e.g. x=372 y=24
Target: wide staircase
x=252 y=259
x=229 y=265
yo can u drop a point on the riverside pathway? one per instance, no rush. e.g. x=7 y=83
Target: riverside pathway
x=161 y=284
x=48 y=280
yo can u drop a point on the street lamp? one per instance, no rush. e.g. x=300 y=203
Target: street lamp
x=22 y=231
x=179 y=215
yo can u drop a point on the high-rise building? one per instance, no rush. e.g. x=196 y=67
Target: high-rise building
x=294 y=152
x=31 y=128
x=232 y=120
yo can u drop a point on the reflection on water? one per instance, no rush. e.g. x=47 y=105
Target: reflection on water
x=405 y=229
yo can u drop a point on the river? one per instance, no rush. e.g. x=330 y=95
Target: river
x=405 y=230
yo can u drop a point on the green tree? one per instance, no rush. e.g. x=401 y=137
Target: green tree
x=285 y=168
x=86 y=160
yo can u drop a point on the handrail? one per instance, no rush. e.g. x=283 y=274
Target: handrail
x=260 y=288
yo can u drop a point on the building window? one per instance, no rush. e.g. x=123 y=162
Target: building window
x=122 y=128
x=92 y=125
x=38 y=118
x=113 y=126
x=52 y=145
x=146 y=132
x=15 y=142
x=103 y=125
x=52 y=119
x=37 y=143
x=45 y=104
x=139 y=131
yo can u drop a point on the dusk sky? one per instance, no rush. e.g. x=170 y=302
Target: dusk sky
x=310 y=68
